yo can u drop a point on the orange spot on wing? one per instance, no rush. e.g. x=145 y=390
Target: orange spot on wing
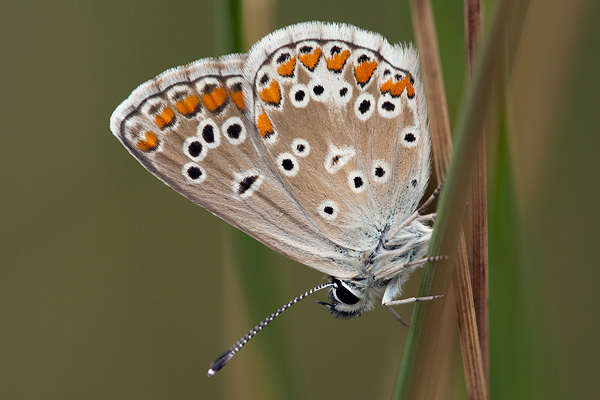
x=271 y=94
x=396 y=89
x=150 y=142
x=410 y=90
x=310 y=60
x=263 y=123
x=287 y=68
x=166 y=117
x=189 y=105
x=214 y=99
x=364 y=71
x=337 y=61
x=238 y=99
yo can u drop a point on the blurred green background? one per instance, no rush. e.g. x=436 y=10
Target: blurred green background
x=114 y=286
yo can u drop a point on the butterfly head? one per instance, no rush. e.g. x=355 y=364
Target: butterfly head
x=351 y=298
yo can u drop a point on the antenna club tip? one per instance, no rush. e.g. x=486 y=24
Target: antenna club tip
x=211 y=372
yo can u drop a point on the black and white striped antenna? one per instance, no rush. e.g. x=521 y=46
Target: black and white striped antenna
x=224 y=358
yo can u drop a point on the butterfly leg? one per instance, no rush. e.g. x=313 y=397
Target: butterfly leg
x=427 y=217
x=397 y=316
x=410 y=300
x=394 y=270
x=388 y=304
x=418 y=214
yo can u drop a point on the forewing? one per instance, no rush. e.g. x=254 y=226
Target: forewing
x=188 y=127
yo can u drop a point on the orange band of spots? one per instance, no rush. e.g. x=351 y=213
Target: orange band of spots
x=287 y=68
x=215 y=99
x=396 y=89
x=364 y=71
x=164 y=118
x=271 y=94
x=150 y=142
x=263 y=123
x=188 y=105
x=337 y=61
x=238 y=99
x=310 y=60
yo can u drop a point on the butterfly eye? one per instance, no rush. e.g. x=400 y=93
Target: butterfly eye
x=343 y=294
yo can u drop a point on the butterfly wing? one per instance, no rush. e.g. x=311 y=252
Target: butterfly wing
x=188 y=127
x=342 y=118
x=315 y=143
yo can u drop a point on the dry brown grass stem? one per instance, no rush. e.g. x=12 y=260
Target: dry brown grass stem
x=478 y=243
x=442 y=149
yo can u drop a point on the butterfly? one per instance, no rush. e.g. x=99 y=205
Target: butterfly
x=315 y=143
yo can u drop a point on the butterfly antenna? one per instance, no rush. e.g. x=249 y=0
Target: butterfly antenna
x=224 y=358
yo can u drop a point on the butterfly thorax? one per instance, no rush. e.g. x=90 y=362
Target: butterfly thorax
x=384 y=270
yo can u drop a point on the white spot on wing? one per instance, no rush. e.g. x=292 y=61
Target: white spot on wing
x=380 y=171
x=364 y=106
x=337 y=157
x=287 y=164
x=328 y=209
x=409 y=137
x=191 y=146
x=216 y=137
x=356 y=181
x=230 y=130
x=300 y=147
x=238 y=186
x=388 y=107
x=299 y=95
x=193 y=173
